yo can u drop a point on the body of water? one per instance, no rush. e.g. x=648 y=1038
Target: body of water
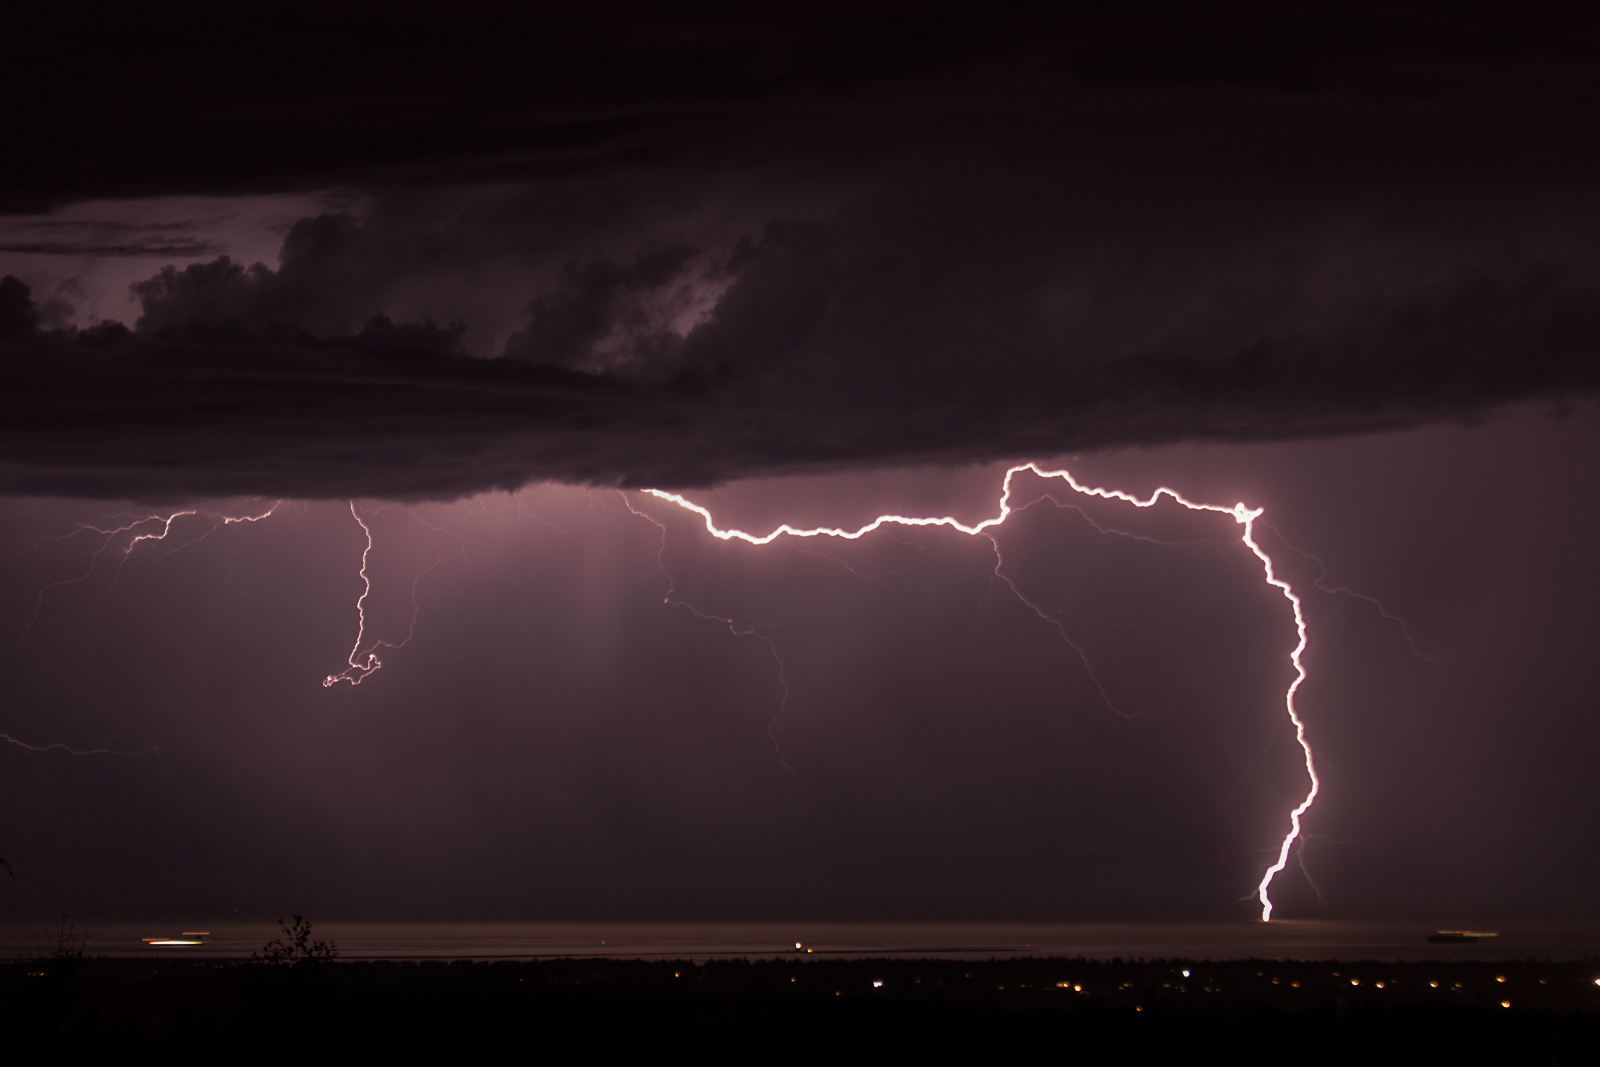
x=1287 y=939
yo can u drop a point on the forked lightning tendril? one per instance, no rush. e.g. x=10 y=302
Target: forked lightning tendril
x=360 y=666
x=734 y=628
x=108 y=535
x=1244 y=516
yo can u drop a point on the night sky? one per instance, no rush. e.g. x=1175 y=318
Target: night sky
x=465 y=280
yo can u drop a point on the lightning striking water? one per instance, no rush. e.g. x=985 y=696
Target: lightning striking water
x=1241 y=514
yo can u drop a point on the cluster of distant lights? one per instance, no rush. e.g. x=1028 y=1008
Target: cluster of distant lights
x=196 y=937
x=1186 y=973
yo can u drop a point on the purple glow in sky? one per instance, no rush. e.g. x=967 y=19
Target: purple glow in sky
x=563 y=741
x=331 y=402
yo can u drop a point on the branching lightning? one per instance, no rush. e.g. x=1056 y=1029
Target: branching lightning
x=108 y=535
x=1321 y=582
x=1054 y=619
x=363 y=664
x=69 y=750
x=363 y=658
x=1241 y=514
x=359 y=668
x=735 y=628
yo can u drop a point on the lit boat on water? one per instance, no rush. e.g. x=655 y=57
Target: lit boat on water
x=188 y=937
x=1458 y=937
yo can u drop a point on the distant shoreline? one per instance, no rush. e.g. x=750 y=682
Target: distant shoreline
x=487 y=940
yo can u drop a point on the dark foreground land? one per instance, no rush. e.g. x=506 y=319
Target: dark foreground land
x=1248 y=1011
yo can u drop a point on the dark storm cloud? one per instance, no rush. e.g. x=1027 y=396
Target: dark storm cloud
x=85 y=248
x=18 y=315
x=725 y=246
x=312 y=289
x=161 y=99
x=102 y=237
x=591 y=302
x=219 y=411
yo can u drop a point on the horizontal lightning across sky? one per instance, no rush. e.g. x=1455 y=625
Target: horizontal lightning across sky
x=108 y=534
x=1241 y=514
x=363 y=659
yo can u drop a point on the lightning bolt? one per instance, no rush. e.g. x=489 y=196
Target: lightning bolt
x=734 y=628
x=1244 y=516
x=60 y=747
x=134 y=541
x=1321 y=582
x=166 y=528
x=360 y=668
x=94 y=557
x=230 y=520
x=1054 y=619
x=363 y=658
x=108 y=536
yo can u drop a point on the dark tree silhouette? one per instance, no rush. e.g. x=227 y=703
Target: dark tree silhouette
x=295 y=949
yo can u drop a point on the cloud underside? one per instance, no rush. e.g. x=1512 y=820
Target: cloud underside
x=976 y=320
x=965 y=318
x=175 y=421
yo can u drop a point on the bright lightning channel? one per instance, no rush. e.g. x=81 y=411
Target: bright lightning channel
x=360 y=666
x=1241 y=514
